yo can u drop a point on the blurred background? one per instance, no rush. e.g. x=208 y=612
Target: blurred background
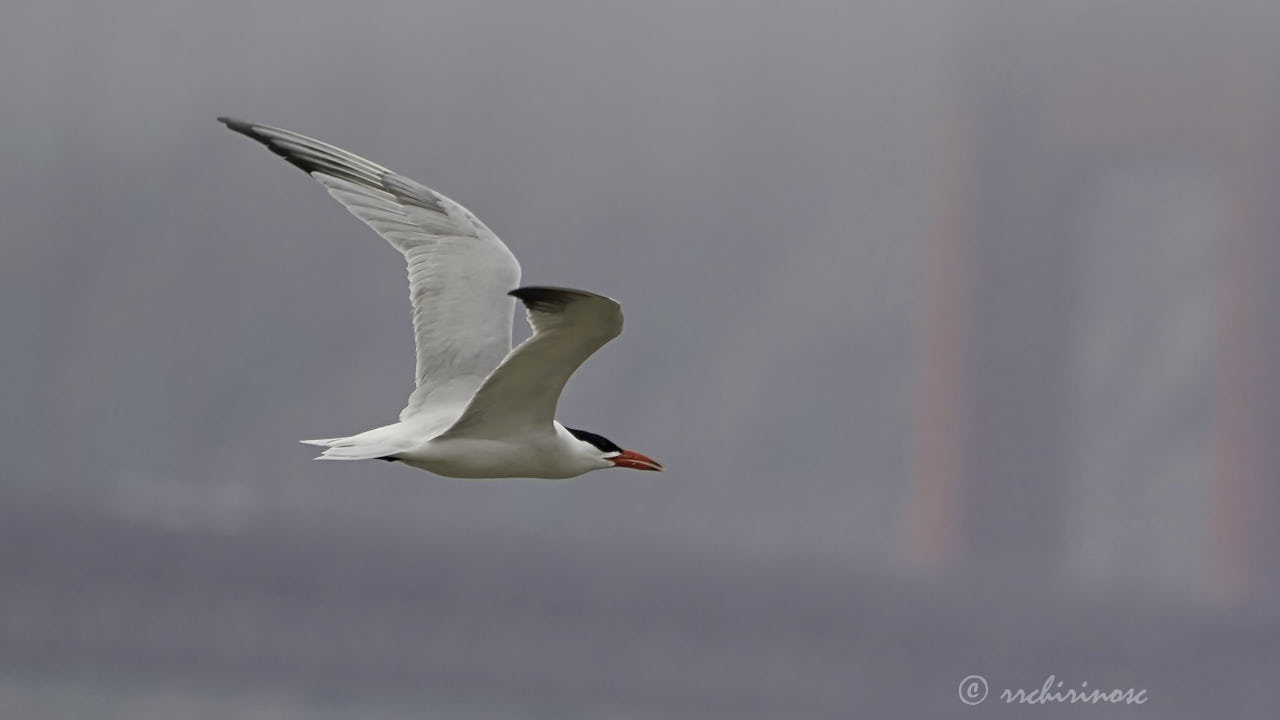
x=954 y=323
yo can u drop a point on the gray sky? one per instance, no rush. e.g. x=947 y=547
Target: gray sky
x=757 y=183
x=750 y=191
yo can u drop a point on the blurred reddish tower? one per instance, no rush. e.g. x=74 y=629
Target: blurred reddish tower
x=1046 y=104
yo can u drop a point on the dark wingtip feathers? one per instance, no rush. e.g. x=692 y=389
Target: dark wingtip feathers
x=244 y=128
x=249 y=130
x=312 y=156
x=548 y=299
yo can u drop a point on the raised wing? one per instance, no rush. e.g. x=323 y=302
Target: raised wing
x=521 y=395
x=459 y=271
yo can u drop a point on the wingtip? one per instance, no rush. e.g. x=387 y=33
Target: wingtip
x=236 y=124
x=543 y=299
x=546 y=292
x=552 y=299
x=259 y=133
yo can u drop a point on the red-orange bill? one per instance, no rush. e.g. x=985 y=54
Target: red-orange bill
x=636 y=461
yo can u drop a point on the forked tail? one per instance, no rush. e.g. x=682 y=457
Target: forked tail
x=348 y=448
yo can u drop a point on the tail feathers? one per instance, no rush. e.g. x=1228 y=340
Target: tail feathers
x=350 y=449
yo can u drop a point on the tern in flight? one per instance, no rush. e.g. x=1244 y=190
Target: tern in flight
x=479 y=408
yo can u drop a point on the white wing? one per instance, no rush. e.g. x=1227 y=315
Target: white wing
x=521 y=395
x=459 y=271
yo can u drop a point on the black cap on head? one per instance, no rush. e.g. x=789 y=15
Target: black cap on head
x=602 y=443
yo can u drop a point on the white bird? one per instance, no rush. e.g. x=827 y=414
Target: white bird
x=479 y=409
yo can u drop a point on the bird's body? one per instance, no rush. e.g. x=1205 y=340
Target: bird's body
x=539 y=455
x=479 y=409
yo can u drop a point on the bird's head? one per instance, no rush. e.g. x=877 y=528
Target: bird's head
x=609 y=452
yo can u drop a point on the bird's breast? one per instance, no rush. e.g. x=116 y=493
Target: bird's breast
x=486 y=458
